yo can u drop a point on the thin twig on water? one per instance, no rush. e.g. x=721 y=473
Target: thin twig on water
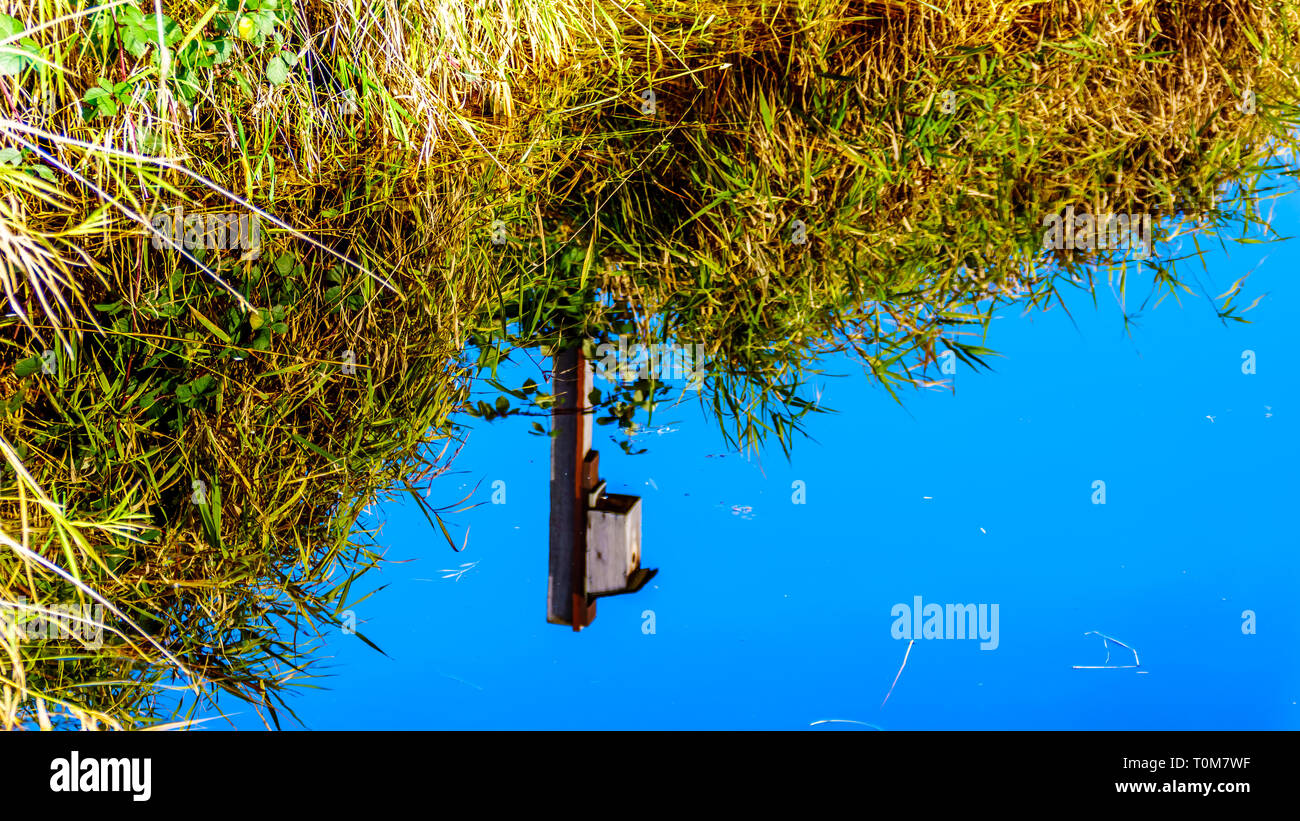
x=900 y=673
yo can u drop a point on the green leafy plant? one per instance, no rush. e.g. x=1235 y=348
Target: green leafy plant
x=104 y=97
x=20 y=52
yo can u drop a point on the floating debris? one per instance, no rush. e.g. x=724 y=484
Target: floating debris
x=457 y=574
x=461 y=680
x=659 y=431
x=900 y=673
x=1108 y=666
x=845 y=721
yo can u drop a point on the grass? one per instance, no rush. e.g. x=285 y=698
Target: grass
x=198 y=445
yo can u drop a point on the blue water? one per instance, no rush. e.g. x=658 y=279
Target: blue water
x=779 y=616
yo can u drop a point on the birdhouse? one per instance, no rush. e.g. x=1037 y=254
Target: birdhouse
x=595 y=538
x=614 y=544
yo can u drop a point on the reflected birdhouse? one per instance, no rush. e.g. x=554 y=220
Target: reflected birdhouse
x=614 y=545
x=595 y=537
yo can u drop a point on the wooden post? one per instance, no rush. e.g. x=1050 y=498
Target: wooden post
x=566 y=595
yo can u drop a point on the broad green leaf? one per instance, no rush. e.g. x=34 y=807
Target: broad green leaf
x=276 y=71
x=27 y=367
x=14 y=57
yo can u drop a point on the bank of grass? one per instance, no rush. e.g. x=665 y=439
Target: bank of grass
x=202 y=447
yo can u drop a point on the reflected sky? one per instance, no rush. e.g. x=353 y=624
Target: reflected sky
x=771 y=614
